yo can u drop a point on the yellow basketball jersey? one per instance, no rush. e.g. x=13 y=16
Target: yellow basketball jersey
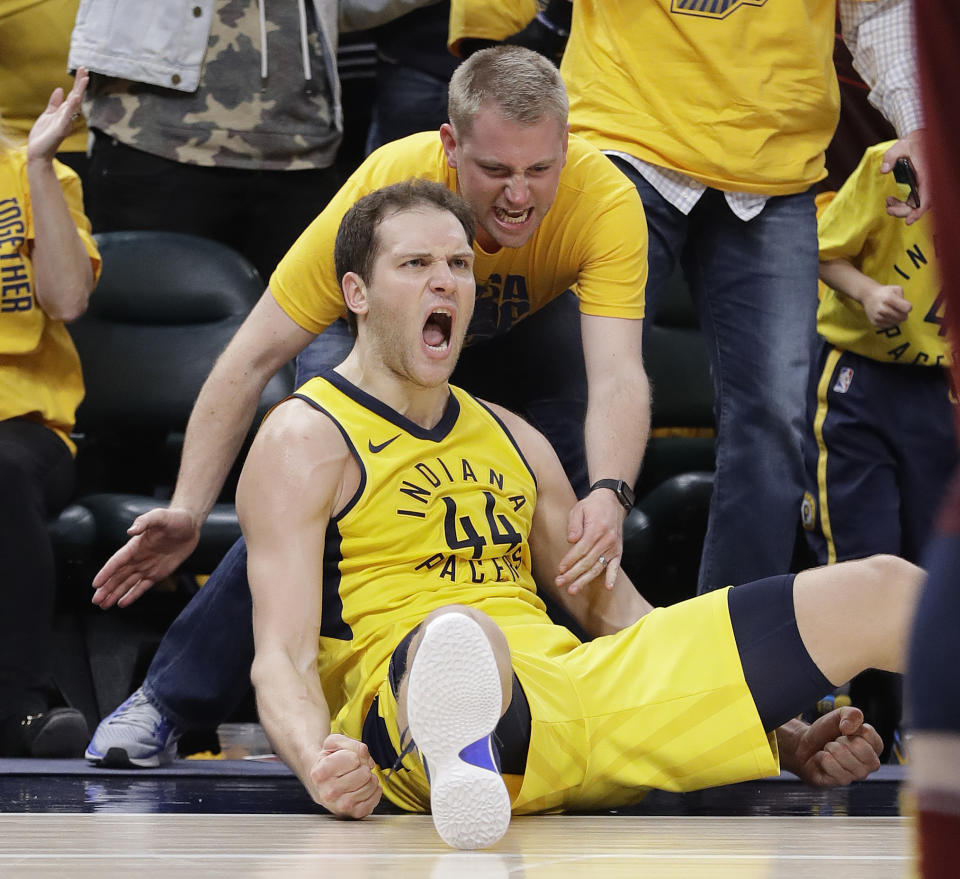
x=742 y=95
x=593 y=239
x=856 y=227
x=39 y=367
x=441 y=516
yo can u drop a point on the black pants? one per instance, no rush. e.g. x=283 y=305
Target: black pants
x=258 y=213
x=36 y=481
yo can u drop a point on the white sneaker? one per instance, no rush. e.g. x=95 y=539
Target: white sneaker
x=454 y=699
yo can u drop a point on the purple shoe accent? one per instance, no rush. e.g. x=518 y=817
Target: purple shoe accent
x=481 y=753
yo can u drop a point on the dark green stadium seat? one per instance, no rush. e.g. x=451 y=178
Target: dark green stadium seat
x=663 y=534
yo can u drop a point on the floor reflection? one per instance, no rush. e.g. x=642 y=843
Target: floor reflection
x=26 y=786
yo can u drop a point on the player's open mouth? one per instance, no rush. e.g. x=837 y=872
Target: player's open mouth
x=436 y=330
x=512 y=218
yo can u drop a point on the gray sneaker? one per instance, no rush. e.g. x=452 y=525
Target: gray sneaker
x=134 y=734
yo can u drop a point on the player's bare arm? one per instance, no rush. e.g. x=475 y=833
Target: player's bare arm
x=162 y=538
x=299 y=473
x=599 y=610
x=616 y=431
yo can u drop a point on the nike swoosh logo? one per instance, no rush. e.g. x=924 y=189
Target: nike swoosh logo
x=381 y=446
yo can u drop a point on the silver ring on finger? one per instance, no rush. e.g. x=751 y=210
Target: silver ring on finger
x=603 y=561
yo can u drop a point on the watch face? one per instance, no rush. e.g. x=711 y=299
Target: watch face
x=621 y=489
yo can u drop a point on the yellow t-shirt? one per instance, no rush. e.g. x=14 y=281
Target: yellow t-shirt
x=34 y=43
x=739 y=94
x=39 y=367
x=856 y=227
x=593 y=239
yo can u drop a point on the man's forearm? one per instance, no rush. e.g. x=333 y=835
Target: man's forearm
x=618 y=425
x=293 y=712
x=215 y=432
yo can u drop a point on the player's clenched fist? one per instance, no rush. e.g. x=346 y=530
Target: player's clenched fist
x=342 y=778
x=836 y=749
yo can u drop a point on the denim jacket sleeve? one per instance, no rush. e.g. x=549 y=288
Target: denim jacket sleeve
x=160 y=43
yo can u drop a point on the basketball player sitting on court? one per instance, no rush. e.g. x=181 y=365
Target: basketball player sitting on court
x=399 y=531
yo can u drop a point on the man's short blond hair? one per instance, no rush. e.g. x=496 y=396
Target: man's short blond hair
x=523 y=85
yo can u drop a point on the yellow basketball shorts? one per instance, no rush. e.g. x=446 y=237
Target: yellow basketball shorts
x=661 y=704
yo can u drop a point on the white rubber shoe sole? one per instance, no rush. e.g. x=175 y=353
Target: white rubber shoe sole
x=454 y=700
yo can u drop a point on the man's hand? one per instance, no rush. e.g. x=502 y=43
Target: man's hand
x=57 y=120
x=595 y=528
x=886 y=306
x=834 y=750
x=910 y=147
x=342 y=780
x=159 y=542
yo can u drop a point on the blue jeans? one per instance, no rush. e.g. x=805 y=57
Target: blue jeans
x=754 y=285
x=408 y=100
x=201 y=670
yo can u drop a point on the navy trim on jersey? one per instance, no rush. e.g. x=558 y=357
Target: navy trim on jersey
x=332 y=623
x=435 y=434
x=506 y=430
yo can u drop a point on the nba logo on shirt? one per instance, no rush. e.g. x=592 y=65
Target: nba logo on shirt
x=844 y=378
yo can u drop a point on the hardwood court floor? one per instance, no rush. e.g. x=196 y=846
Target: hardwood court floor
x=211 y=846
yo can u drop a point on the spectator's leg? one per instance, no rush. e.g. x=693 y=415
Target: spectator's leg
x=407 y=101
x=666 y=232
x=257 y=213
x=852 y=468
x=201 y=670
x=272 y=208
x=754 y=284
x=36 y=473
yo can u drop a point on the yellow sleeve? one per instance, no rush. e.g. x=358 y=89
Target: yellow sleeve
x=852 y=217
x=614 y=276
x=487 y=19
x=599 y=214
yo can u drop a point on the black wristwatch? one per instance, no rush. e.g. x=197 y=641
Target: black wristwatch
x=621 y=489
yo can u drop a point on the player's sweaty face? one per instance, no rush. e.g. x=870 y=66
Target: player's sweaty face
x=421 y=293
x=508 y=173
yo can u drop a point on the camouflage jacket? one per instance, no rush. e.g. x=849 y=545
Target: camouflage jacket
x=163 y=42
x=210 y=82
